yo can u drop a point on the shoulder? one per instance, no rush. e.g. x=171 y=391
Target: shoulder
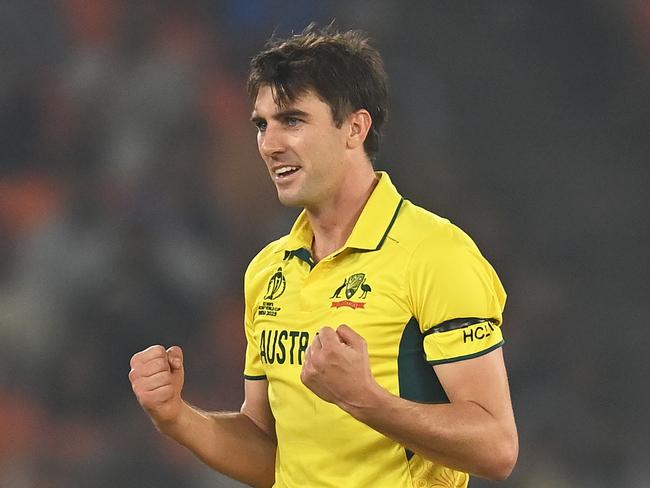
x=446 y=275
x=421 y=230
x=269 y=255
x=438 y=251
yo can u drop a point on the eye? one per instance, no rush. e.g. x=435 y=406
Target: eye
x=261 y=125
x=293 y=121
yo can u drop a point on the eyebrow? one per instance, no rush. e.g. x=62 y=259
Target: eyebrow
x=283 y=114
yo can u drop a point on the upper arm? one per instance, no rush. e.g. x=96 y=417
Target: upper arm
x=456 y=298
x=256 y=405
x=482 y=380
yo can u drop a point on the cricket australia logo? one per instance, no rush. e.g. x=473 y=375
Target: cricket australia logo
x=275 y=288
x=352 y=284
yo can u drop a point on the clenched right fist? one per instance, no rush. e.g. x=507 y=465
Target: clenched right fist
x=157 y=378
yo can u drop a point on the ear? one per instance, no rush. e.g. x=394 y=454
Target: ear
x=359 y=123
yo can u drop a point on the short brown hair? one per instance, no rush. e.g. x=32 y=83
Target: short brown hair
x=341 y=67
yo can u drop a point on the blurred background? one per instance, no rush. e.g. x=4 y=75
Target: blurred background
x=132 y=198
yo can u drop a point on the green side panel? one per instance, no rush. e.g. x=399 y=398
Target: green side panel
x=417 y=379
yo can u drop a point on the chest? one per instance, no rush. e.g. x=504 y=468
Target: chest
x=294 y=300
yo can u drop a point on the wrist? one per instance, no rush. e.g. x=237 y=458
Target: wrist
x=372 y=400
x=175 y=425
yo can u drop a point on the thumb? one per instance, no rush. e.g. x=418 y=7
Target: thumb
x=349 y=336
x=175 y=358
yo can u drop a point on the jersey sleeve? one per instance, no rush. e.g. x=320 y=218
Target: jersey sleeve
x=253 y=369
x=456 y=297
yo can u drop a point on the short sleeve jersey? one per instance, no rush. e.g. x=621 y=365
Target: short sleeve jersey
x=415 y=287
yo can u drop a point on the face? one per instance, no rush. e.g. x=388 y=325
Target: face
x=303 y=149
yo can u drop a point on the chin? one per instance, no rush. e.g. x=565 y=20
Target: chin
x=290 y=200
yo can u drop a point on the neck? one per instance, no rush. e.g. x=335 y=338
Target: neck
x=333 y=223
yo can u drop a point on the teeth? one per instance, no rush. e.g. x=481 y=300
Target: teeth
x=285 y=169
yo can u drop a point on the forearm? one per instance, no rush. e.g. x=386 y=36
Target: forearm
x=461 y=435
x=229 y=442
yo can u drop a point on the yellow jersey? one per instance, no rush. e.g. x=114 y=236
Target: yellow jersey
x=415 y=287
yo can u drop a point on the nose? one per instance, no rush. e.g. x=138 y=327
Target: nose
x=270 y=141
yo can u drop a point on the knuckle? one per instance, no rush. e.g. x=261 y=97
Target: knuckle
x=135 y=359
x=156 y=351
x=315 y=360
x=304 y=377
x=139 y=385
x=137 y=390
x=142 y=356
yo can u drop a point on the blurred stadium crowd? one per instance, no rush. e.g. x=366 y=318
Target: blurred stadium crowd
x=132 y=197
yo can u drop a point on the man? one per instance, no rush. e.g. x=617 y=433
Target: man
x=373 y=328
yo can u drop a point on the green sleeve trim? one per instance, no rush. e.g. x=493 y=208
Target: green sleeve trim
x=259 y=377
x=455 y=324
x=469 y=356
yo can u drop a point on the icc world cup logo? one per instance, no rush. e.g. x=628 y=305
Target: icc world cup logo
x=276 y=286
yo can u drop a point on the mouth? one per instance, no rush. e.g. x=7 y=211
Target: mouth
x=284 y=172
